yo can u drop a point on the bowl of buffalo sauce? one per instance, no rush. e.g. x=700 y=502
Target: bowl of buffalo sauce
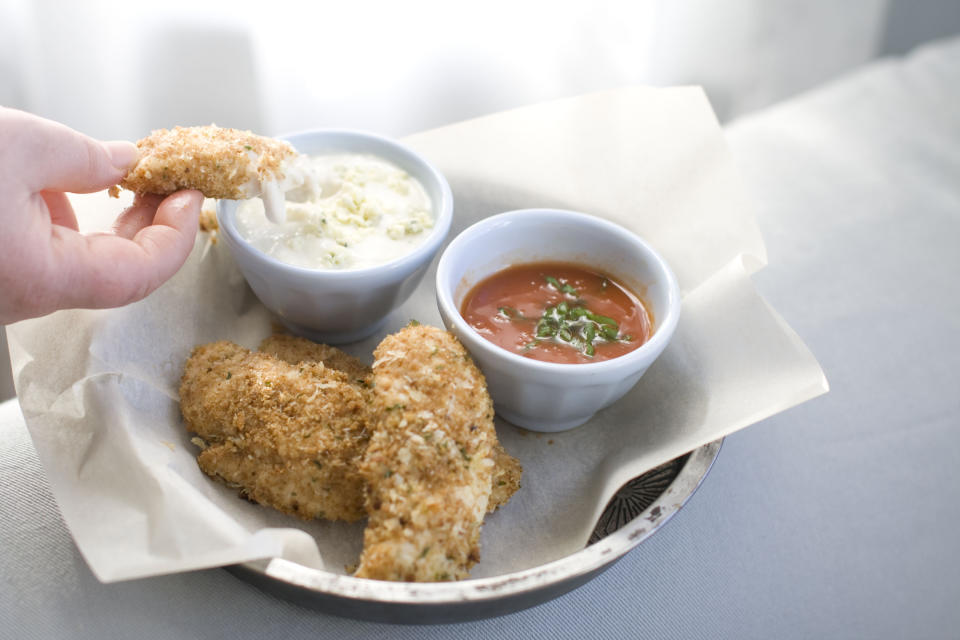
x=563 y=311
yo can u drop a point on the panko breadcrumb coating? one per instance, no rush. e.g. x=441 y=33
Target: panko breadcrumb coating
x=218 y=162
x=507 y=472
x=289 y=426
x=208 y=219
x=290 y=436
x=295 y=350
x=429 y=463
x=506 y=469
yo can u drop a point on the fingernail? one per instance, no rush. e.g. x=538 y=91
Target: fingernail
x=183 y=199
x=123 y=154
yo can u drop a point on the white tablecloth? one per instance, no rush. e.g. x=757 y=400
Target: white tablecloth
x=835 y=519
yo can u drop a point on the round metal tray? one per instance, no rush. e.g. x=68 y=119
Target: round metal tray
x=635 y=512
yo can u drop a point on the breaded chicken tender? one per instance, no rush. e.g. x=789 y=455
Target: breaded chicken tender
x=429 y=464
x=290 y=424
x=290 y=436
x=220 y=163
x=506 y=469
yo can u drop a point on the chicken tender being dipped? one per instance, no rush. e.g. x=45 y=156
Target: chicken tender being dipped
x=429 y=463
x=290 y=436
x=220 y=163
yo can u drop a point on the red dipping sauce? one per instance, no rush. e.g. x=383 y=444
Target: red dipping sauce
x=557 y=312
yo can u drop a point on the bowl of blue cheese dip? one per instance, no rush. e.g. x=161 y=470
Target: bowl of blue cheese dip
x=356 y=238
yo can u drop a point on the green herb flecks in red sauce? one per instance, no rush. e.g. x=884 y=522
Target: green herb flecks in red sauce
x=557 y=312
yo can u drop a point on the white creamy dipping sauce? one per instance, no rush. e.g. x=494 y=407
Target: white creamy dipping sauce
x=359 y=211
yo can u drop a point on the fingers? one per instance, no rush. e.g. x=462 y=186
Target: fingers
x=107 y=270
x=168 y=241
x=137 y=216
x=61 y=211
x=50 y=156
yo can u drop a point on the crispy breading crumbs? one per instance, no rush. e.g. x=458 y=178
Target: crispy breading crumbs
x=295 y=350
x=219 y=162
x=208 y=220
x=429 y=464
x=507 y=472
x=289 y=427
x=507 y=469
x=290 y=435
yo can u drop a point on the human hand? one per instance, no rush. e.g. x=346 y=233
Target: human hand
x=45 y=263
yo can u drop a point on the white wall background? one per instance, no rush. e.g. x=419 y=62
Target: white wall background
x=119 y=69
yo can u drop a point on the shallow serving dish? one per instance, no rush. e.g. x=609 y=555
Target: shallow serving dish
x=338 y=306
x=639 y=509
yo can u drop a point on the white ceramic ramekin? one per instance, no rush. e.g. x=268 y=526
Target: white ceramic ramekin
x=337 y=306
x=545 y=396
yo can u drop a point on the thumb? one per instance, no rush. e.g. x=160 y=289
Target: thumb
x=54 y=157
